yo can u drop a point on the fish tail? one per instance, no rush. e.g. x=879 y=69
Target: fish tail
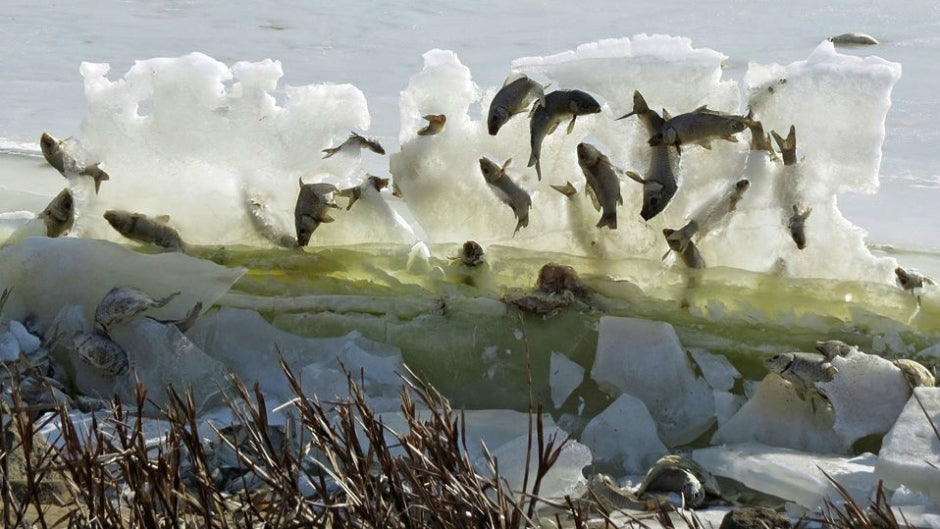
x=330 y=152
x=608 y=220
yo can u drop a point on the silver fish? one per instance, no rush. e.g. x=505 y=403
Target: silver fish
x=650 y=119
x=909 y=279
x=507 y=191
x=680 y=242
x=833 y=348
x=710 y=214
x=797 y=226
x=435 y=124
x=603 y=182
x=54 y=152
x=513 y=98
x=141 y=228
x=121 y=304
x=916 y=374
x=760 y=140
x=267 y=226
x=787 y=146
x=355 y=193
x=59 y=215
x=356 y=141
x=311 y=209
x=803 y=370
x=700 y=126
x=659 y=185
x=100 y=352
x=559 y=106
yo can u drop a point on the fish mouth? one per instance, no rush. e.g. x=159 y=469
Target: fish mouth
x=656 y=140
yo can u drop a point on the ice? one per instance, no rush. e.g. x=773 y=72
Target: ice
x=717 y=370
x=642 y=358
x=790 y=474
x=564 y=377
x=27 y=342
x=9 y=347
x=726 y=405
x=154 y=431
x=910 y=453
x=202 y=142
x=565 y=476
x=776 y=416
x=51 y=273
x=249 y=346
x=624 y=436
x=867 y=395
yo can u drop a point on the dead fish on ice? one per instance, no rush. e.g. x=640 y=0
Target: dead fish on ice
x=559 y=106
x=803 y=370
x=100 y=352
x=435 y=124
x=141 y=228
x=355 y=141
x=59 y=215
x=121 y=304
x=602 y=182
x=858 y=39
x=507 y=190
x=833 y=348
x=515 y=96
x=700 y=126
x=311 y=209
x=54 y=152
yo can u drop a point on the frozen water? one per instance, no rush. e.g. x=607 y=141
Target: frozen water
x=790 y=474
x=867 y=395
x=776 y=416
x=624 y=436
x=726 y=405
x=642 y=358
x=910 y=453
x=564 y=377
x=717 y=370
x=565 y=477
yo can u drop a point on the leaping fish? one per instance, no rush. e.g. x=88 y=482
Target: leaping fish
x=54 y=152
x=559 y=106
x=700 y=126
x=507 y=190
x=602 y=181
x=515 y=97
x=356 y=141
x=659 y=185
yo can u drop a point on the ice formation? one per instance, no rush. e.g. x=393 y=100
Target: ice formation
x=565 y=376
x=910 y=454
x=623 y=436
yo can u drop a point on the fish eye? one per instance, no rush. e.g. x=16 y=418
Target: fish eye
x=654 y=201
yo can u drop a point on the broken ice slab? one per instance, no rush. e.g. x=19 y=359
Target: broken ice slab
x=717 y=370
x=564 y=377
x=776 y=416
x=910 y=453
x=624 y=437
x=796 y=476
x=644 y=358
x=49 y=273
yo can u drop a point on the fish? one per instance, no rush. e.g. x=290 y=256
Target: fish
x=910 y=279
x=688 y=252
x=435 y=124
x=559 y=106
x=660 y=184
x=700 y=126
x=833 y=348
x=356 y=141
x=711 y=213
x=603 y=182
x=267 y=225
x=310 y=210
x=787 y=146
x=187 y=321
x=59 y=215
x=355 y=193
x=515 y=96
x=101 y=352
x=122 y=303
x=860 y=39
x=760 y=140
x=803 y=370
x=54 y=152
x=141 y=228
x=797 y=226
x=507 y=191
x=471 y=254
x=568 y=190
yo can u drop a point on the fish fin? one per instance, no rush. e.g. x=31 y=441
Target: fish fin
x=90 y=170
x=568 y=190
x=571 y=124
x=157 y=303
x=787 y=144
x=532 y=159
x=678 y=148
x=505 y=164
x=325 y=218
x=551 y=129
x=535 y=106
x=732 y=139
x=594 y=200
x=541 y=99
x=522 y=223
x=162 y=218
x=703 y=108
x=608 y=220
x=425 y=131
x=352 y=200
x=625 y=116
x=635 y=177
x=666 y=115
x=330 y=152
x=538 y=169
x=665 y=255
x=806 y=213
x=513 y=77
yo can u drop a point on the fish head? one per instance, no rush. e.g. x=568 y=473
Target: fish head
x=47 y=143
x=497 y=118
x=655 y=199
x=907 y=280
x=491 y=171
x=588 y=154
x=797 y=229
x=737 y=124
x=375 y=147
x=120 y=220
x=582 y=103
x=742 y=185
x=778 y=363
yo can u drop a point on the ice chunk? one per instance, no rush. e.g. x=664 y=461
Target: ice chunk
x=51 y=273
x=564 y=478
x=9 y=347
x=645 y=359
x=790 y=474
x=776 y=416
x=28 y=343
x=867 y=394
x=910 y=453
x=624 y=436
x=249 y=346
x=726 y=405
x=717 y=370
x=564 y=377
